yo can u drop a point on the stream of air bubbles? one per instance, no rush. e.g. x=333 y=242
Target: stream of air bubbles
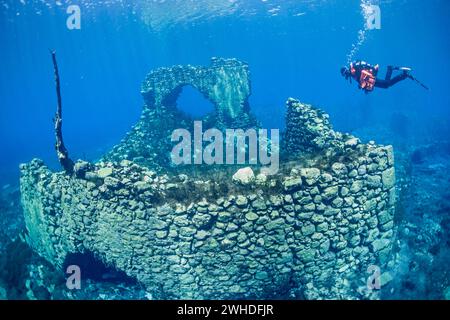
x=366 y=11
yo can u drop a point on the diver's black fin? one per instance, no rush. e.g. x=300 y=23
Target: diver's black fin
x=420 y=83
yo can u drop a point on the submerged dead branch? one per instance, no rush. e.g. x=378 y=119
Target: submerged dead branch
x=61 y=151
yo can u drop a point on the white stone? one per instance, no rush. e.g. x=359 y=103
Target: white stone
x=353 y=142
x=244 y=176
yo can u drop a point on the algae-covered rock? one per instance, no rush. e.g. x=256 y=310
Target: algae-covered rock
x=81 y=167
x=292 y=184
x=306 y=255
x=380 y=244
x=311 y=175
x=241 y=201
x=331 y=192
x=104 y=172
x=388 y=177
x=251 y=216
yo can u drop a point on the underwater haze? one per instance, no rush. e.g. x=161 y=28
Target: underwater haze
x=293 y=48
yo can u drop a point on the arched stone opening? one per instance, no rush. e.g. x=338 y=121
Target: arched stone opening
x=94 y=269
x=191 y=102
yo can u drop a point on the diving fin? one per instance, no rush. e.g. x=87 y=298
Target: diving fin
x=420 y=83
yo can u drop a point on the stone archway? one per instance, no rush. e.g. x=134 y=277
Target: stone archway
x=226 y=83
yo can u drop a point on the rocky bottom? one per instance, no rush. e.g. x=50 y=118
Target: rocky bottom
x=423 y=248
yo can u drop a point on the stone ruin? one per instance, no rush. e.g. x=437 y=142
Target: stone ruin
x=226 y=83
x=311 y=231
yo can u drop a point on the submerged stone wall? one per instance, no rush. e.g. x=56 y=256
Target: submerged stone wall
x=308 y=130
x=307 y=232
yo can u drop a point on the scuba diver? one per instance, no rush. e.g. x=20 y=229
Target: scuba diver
x=366 y=75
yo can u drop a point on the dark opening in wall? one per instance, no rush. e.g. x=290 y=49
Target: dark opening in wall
x=94 y=269
x=193 y=103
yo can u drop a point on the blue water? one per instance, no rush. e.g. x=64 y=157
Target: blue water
x=294 y=48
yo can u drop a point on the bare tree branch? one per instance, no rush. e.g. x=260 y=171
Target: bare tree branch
x=61 y=151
